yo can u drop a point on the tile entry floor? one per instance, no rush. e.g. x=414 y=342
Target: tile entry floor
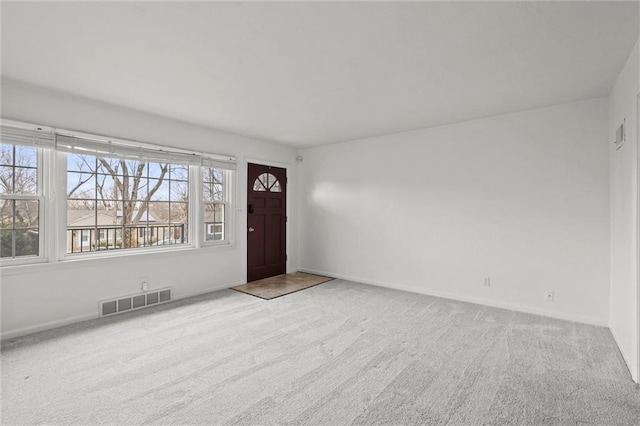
x=280 y=285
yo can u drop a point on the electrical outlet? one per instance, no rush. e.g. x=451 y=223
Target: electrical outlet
x=487 y=281
x=548 y=296
x=144 y=283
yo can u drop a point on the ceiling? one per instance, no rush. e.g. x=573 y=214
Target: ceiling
x=306 y=74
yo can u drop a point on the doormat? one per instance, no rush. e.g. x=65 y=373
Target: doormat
x=281 y=285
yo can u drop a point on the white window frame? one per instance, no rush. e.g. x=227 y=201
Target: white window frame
x=63 y=166
x=42 y=196
x=228 y=178
x=52 y=197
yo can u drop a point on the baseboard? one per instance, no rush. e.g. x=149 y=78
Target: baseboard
x=625 y=355
x=475 y=300
x=80 y=318
x=207 y=290
x=47 y=326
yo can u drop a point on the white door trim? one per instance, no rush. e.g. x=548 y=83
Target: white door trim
x=637 y=145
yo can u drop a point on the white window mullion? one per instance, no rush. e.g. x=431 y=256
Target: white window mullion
x=196 y=216
x=59 y=200
x=229 y=217
x=47 y=205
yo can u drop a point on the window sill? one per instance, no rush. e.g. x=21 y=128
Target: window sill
x=125 y=256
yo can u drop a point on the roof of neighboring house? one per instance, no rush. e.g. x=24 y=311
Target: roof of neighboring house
x=84 y=218
x=80 y=218
x=146 y=216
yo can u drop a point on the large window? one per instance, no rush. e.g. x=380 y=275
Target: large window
x=65 y=194
x=19 y=201
x=118 y=203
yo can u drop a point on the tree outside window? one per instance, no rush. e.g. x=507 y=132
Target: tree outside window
x=19 y=201
x=116 y=203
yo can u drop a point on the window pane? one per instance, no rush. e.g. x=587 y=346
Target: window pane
x=25 y=180
x=218 y=175
x=258 y=185
x=18 y=180
x=77 y=209
x=131 y=239
x=6 y=213
x=6 y=243
x=26 y=241
x=179 y=212
x=212 y=175
x=107 y=187
x=159 y=211
x=214 y=222
x=127 y=215
x=219 y=216
x=127 y=187
x=26 y=156
x=180 y=233
x=213 y=192
x=81 y=185
x=6 y=179
x=145 y=237
x=142 y=187
x=155 y=170
x=211 y=235
x=6 y=154
x=81 y=219
x=162 y=236
x=209 y=213
x=179 y=172
x=26 y=213
x=159 y=189
x=140 y=215
x=179 y=191
x=18 y=169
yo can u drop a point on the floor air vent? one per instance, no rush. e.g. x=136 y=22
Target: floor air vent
x=136 y=301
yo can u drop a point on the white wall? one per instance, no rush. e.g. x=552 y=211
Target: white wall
x=624 y=213
x=522 y=198
x=42 y=296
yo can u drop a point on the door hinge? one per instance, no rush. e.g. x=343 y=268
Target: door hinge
x=286 y=257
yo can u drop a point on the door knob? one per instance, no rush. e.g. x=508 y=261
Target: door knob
x=251 y=229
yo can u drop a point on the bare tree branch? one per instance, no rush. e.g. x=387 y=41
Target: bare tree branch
x=152 y=191
x=114 y=175
x=79 y=184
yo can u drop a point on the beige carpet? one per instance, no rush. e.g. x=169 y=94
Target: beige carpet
x=280 y=285
x=335 y=354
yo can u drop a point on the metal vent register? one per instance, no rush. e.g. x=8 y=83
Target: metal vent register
x=135 y=301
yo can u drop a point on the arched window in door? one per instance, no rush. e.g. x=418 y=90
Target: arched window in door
x=267 y=182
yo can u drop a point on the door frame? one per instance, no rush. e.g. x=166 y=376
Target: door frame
x=243 y=209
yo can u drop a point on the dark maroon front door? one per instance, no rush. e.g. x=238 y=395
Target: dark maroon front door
x=266 y=221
